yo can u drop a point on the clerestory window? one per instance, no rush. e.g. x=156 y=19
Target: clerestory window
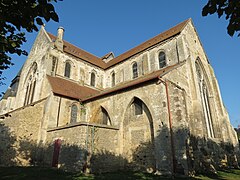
x=67 y=71
x=162 y=59
x=93 y=79
x=113 y=79
x=135 y=70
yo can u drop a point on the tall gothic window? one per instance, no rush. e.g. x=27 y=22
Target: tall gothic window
x=31 y=84
x=135 y=70
x=113 y=79
x=67 y=70
x=93 y=79
x=162 y=60
x=205 y=100
x=54 y=64
x=74 y=113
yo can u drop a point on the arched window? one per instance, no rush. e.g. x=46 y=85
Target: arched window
x=105 y=117
x=135 y=70
x=205 y=100
x=138 y=106
x=93 y=78
x=113 y=79
x=31 y=84
x=74 y=113
x=54 y=64
x=162 y=60
x=67 y=70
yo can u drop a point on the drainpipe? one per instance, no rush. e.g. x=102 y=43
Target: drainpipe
x=170 y=125
x=59 y=108
x=177 y=51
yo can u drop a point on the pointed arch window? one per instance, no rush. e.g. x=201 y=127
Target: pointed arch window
x=93 y=79
x=54 y=64
x=31 y=84
x=113 y=79
x=205 y=100
x=67 y=71
x=74 y=113
x=135 y=70
x=162 y=59
x=105 y=117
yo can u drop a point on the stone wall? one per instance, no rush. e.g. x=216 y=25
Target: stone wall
x=84 y=147
x=19 y=133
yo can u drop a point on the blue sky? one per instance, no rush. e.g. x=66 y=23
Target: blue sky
x=107 y=25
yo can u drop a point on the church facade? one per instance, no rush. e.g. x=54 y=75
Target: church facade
x=156 y=107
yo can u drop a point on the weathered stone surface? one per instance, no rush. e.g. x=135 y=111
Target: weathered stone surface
x=175 y=124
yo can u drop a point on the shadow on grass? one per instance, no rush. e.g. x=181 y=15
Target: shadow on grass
x=38 y=173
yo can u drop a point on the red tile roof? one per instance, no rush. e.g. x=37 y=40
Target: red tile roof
x=149 y=43
x=70 y=89
x=135 y=82
x=79 y=53
x=73 y=90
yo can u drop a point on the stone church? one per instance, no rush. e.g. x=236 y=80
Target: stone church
x=156 y=107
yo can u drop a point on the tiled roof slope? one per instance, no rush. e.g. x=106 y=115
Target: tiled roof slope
x=135 y=82
x=70 y=89
x=73 y=90
x=151 y=42
x=77 y=52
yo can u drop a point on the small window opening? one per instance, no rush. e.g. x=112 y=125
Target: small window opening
x=93 y=78
x=67 y=70
x=135 y=70
x=162 y=60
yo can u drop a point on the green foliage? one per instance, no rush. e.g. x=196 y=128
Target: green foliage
x=16 y=16
x=229 y=8
x=22 y=173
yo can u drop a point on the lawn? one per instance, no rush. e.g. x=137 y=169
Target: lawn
x=36 y=173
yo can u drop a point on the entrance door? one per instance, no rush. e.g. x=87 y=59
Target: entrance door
x=56 y=151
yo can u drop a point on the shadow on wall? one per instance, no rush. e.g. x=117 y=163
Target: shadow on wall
x=189 y=155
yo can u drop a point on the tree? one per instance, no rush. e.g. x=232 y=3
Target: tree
x=229 y=8
x=15 y=17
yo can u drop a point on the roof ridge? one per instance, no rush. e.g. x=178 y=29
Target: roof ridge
x=97 y=61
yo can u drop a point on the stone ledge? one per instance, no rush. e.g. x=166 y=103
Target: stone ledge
x=82 y=124
x=2 y=116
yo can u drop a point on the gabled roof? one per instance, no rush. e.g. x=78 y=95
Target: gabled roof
x=79 y=53
x=149 y=43
x=70 y=89
x=107 y=55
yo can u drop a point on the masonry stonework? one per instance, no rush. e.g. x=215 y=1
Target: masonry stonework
x=156 y=108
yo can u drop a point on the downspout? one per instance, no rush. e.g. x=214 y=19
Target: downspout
x=92 y=136
x=170 y=125
x=177 y=51
x=59 y=108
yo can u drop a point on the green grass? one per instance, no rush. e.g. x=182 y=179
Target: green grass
x=37 y=173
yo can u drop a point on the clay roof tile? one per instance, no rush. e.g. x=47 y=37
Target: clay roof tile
x=70 y=89
x=86 y=56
